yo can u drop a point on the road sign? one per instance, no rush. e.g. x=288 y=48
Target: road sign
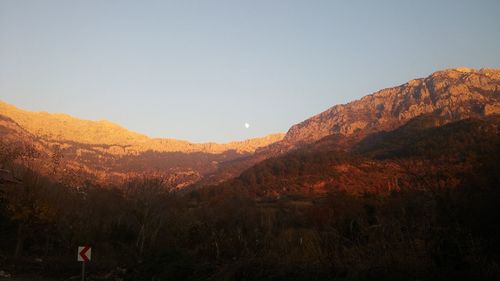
x=84 y=253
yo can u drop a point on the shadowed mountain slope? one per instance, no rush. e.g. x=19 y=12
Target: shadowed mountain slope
x=419 y=155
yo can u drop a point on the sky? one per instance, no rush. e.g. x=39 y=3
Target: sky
x=201 y=70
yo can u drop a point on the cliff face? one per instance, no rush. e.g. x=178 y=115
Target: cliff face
x=452 y=94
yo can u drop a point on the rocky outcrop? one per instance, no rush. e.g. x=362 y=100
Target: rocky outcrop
x=454 y=94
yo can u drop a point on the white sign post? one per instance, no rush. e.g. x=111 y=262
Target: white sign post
x=84 y=255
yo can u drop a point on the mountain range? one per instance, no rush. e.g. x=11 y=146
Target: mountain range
x=358 y=140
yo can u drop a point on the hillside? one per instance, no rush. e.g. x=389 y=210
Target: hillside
x=104 y=153
x=421 y=154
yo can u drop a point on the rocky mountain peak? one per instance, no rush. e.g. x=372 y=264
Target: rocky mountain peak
x=453 y=94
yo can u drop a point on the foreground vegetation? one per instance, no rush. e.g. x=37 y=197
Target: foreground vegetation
x=144 y=232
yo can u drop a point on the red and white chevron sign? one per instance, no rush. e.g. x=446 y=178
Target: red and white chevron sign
x=84 y=253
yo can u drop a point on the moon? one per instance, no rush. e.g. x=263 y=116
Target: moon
x=247 y=125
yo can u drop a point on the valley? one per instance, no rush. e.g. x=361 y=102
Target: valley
x=401 y=184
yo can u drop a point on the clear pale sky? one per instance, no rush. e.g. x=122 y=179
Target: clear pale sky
x=198 y=70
